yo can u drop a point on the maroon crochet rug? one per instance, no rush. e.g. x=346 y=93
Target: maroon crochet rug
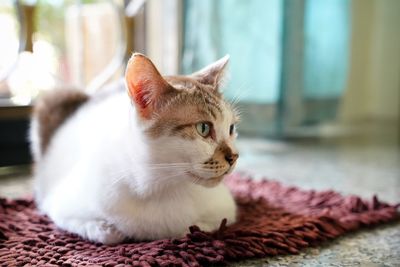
x=273 y=219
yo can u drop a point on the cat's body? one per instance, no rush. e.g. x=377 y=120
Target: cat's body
x=114 y=170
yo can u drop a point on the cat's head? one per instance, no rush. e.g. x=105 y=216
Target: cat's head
x=190 y=127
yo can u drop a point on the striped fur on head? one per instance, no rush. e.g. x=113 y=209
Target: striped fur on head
x=171 y=107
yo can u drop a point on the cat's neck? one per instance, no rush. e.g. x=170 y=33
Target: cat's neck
x=134 y=164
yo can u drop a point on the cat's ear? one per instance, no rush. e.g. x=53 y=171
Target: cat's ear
x=213 y=73
x=145 y=84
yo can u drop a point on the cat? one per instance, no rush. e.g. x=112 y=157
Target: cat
x=142 y=159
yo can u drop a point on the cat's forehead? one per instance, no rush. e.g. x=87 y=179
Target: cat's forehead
x=194 y=101
x=195 y=93
x=182 y=82
x=189 y=84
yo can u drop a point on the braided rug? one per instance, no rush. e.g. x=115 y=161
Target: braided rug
x=273 y=219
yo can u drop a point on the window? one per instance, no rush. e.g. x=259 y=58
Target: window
x=289 y=61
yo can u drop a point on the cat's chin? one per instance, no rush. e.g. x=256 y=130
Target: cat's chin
x=206 y=182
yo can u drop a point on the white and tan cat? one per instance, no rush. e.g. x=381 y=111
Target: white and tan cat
x=146 y=164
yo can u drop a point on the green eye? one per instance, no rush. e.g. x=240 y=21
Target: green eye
x=203 y=128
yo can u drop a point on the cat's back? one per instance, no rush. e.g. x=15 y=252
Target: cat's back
x=50 y=112
x=56 y=108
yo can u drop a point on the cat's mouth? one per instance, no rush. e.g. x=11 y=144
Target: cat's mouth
x=207 y=182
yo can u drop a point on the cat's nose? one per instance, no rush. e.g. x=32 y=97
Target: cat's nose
x=231 y=158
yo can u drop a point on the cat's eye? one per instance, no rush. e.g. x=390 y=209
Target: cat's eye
x=231 y=129
x=203 y=128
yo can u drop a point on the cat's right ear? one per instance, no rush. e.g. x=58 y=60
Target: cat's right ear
x=213 y=73
x=145 y=84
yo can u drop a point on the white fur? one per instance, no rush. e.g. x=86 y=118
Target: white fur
x=104 y=180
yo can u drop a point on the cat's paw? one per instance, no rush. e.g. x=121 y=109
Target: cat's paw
x=103 y=232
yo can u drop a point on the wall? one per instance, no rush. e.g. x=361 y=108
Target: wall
x=373 y=90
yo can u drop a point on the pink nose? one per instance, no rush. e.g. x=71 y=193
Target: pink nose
x=231 y=158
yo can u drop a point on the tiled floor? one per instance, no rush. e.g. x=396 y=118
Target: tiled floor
x=362 y=168
x=15 y=181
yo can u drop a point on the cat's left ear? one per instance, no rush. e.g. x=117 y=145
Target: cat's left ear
x=213 y=73
x=145 y=85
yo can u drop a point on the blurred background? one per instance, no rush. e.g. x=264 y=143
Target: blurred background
x=318 y=82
